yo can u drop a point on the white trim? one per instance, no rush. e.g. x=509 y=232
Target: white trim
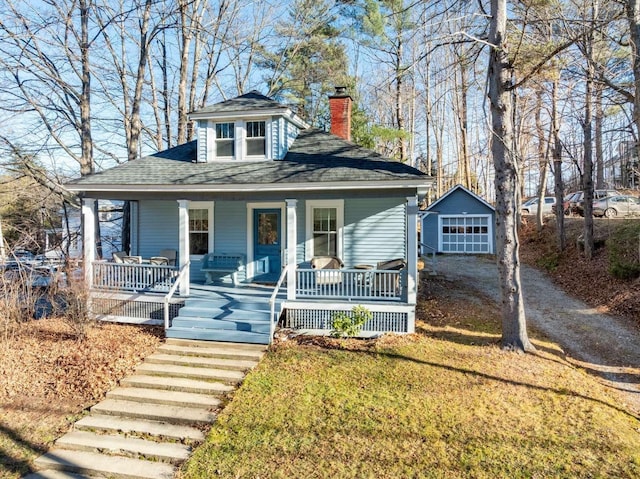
x=285 y=112
x=209 y=206
x=490 y=236
x=460 y=187
x=283 y=229
x=339 y=206
x=253 y=187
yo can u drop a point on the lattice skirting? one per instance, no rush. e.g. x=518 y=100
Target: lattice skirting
x=383 y=321
x=146 y=310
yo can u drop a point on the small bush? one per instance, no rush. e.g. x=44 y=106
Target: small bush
x=624 y=251
x=350 y=324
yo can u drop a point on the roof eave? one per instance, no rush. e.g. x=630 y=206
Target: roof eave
x=419 y=185
x=265 y=113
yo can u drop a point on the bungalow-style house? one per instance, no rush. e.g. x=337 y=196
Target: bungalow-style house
x=459 y=222
x=268 y=221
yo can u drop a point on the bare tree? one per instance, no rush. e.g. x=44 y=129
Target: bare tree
x=514 y=330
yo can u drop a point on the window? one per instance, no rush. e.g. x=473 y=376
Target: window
x=199 y=231
x=255 y=138
x=325 y=232
x=225 y=142
x=324 y=222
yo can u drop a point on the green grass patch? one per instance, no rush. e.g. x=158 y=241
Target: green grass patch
x=624 y=251
x=418 y=406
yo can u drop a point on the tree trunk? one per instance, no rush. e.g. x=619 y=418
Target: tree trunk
x=633 y=15
x=514 y=330
x=557 y=167
x=587 y=177
x=599 y=120
x=542 y=160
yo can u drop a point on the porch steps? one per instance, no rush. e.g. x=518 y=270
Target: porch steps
x=146 y=427
x=230 y=316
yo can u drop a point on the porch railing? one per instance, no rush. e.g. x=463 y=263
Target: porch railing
x=272 y=303
x=133 y=277
x=182 y=276
x=351 y=284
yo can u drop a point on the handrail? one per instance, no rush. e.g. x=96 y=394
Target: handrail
x=272 y=302
x=433 y=254
x=172 y=291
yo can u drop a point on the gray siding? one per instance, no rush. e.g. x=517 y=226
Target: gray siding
x=157 y=227
x=374 y=230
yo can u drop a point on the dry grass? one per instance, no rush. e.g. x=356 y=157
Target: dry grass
x=49 y=377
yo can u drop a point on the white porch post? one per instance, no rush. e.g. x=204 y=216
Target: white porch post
x=292 y=240
x=412 y=256
x=183 y=252
x=88 y=239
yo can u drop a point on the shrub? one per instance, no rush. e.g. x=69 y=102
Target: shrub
x=624 y=251
x=350 y=324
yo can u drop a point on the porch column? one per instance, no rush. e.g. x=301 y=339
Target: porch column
x=183 y=248
x=292 y=243
x=88 y=239
x=412 y=255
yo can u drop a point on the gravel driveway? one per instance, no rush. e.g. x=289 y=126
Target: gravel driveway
x=602 y=344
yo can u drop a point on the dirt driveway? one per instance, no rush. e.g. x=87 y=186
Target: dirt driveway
x=601 y=344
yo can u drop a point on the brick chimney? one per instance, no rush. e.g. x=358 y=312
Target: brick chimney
x=340 y=108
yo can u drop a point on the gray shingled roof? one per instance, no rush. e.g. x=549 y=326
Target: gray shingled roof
x=251 y=101
x=315 y=157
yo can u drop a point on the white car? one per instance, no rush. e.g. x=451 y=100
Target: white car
x=622 y=205
x=530 y=207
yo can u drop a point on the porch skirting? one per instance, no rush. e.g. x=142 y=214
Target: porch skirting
x=316 y=317
x=132 y=308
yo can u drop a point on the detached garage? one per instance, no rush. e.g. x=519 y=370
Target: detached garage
x=459 y=222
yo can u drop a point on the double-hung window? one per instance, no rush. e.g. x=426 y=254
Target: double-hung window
x=325 y=221
x=198 y=231
x=225 y=140
x=255 y=138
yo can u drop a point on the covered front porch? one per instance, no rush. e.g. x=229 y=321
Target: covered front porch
x=295 y=290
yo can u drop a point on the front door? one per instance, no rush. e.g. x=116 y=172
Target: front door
x=267 y=244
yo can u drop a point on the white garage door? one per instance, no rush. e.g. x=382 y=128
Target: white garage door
x=465 y=234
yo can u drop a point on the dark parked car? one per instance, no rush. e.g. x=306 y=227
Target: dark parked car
x=566 y=202
x=622 y=205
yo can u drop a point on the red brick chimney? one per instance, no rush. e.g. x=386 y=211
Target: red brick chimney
x=340 y=108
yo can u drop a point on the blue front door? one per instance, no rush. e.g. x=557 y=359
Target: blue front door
x=267 y=244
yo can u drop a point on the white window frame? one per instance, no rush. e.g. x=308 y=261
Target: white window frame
x=209 y=206
x=215 y=139
x=310 y=206
x=247 y=138
x=490 y=236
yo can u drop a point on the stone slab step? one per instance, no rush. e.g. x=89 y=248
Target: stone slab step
x=154 y=412
x=159 y=396
x=218 y=335
x=117 y=445
x=194 y=343
x=54 y=474
x=142 y=427
x=200 y=362
x=225 y=375
x=225 y=352
x=177 y=384
x=102 y=465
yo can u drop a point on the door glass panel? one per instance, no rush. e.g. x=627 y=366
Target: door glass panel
x=268 y=229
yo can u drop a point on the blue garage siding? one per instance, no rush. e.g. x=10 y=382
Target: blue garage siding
x=456 y=203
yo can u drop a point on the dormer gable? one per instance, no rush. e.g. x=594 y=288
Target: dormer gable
x=251 y=127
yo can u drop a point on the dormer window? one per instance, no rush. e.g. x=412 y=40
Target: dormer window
x=256 y=138
x=225 y=139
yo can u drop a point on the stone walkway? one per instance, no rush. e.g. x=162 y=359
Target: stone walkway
x=147 y=427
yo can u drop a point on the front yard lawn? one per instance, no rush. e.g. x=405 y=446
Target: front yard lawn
x=444 y=403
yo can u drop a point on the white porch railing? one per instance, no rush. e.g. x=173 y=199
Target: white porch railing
x=183 y=275
x=133 y=277
x=351 y=284
x=273 y=319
